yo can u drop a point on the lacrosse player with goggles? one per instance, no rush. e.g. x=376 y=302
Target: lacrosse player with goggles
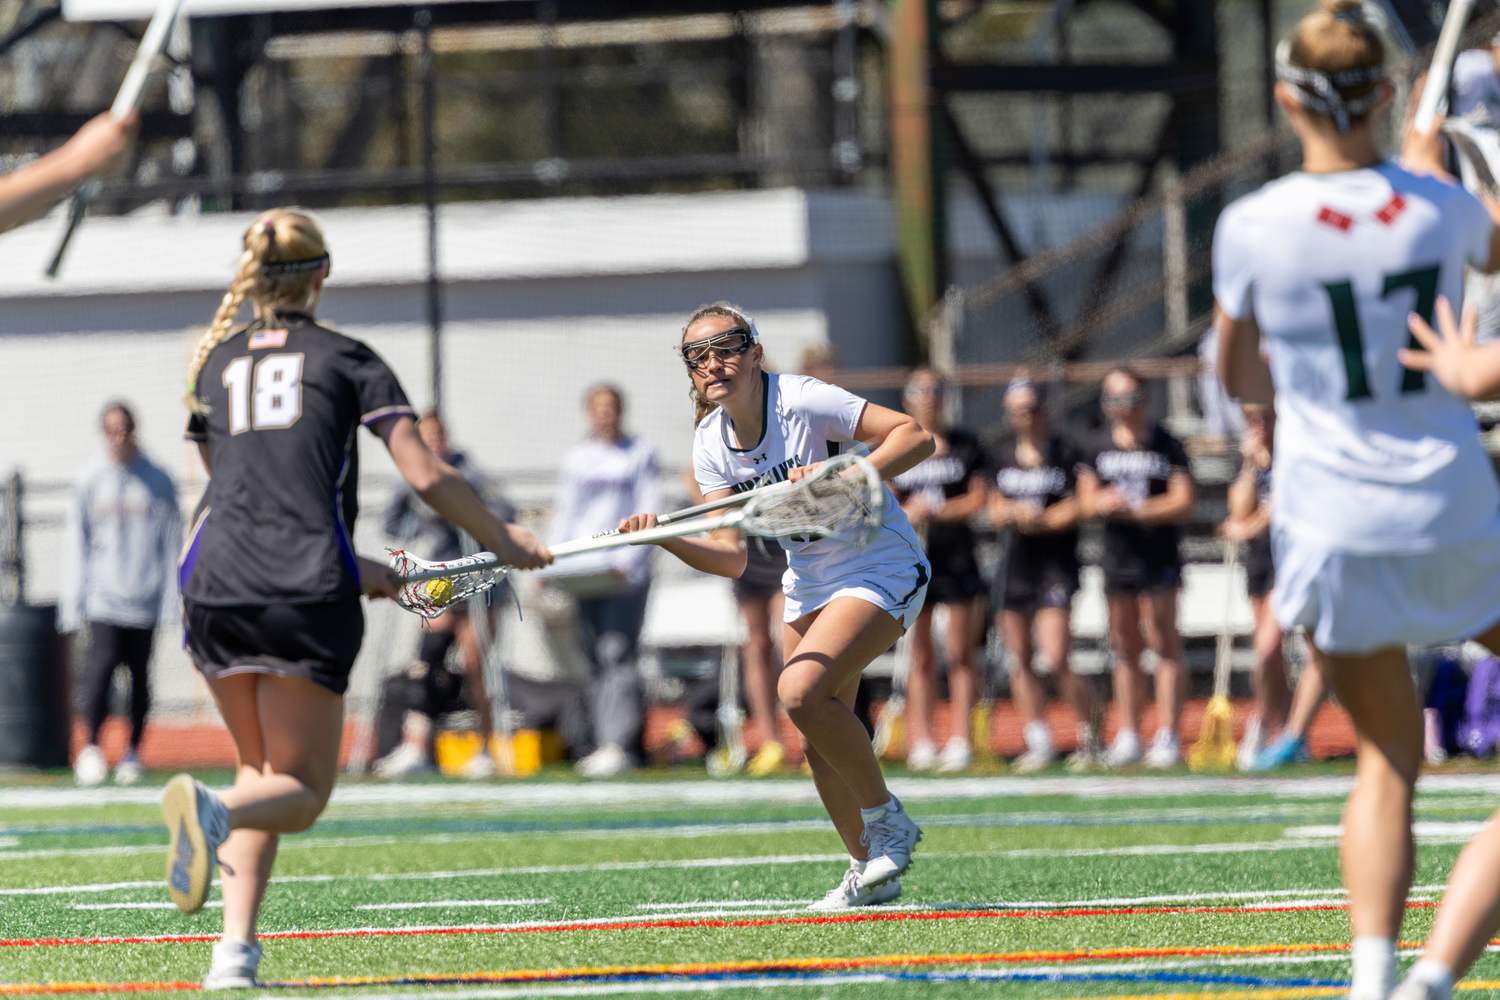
x=845 y=604
x=270 y=581
x=1385 y=519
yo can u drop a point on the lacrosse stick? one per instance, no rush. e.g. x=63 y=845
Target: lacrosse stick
x=1214 y=750
x=128 y=99
x=1436 y=86
x=729 y=757
x=1478 y=155
x=842 y=500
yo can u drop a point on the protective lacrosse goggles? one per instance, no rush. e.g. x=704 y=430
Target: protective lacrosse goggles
x=729 y=344
x=1122 y=400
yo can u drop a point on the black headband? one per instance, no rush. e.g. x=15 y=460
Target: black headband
x=1319 y=91
x=294 y=266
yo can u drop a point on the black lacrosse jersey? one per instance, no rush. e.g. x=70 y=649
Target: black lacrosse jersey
x=943 y=477
x=1138 y=473
x=276 y=523
x=1040 y=487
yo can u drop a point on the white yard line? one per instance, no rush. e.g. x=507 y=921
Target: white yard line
x=212 y=904
x=441 y=904
x=700 y=903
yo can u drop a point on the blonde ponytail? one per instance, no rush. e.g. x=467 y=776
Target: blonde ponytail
x=702 y=405
x=280 y=236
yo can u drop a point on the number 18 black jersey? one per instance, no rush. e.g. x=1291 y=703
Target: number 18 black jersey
x=1370 y=457
x=276 y=523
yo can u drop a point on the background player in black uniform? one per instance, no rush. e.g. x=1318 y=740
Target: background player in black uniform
x=270 y=580
x=1135 y=476
x=1034 y=480
x=939 y=496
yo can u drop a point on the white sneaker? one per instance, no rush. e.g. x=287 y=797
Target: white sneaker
x=850 y=893
x=1251 y=744
x=956 y=756
x=889 y=840
x=1089 y=754
x=922 y=756
x=129 y=770
x=90 y=768
x=407 y=760
x=235 y=965
x=478 y=767
x=198 y=823
x=1412 y=989
x=1039 y=751
x=1125 y=750
x=606 y=762
x=1166 y=750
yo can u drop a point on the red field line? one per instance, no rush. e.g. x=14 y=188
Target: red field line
x=699 y=923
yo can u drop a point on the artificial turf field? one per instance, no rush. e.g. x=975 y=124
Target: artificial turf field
x=1050 y=887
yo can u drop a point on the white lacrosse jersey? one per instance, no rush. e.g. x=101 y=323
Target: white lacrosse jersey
x=1370 y=457
x=805 y=422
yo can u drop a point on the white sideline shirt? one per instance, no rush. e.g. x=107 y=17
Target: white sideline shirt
x=1370 y=458
x=806 y=421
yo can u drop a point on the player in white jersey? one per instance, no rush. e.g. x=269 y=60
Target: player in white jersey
x=844 y=606
x=1386 y=515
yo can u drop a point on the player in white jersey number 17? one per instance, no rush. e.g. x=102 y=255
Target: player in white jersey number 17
x=1386 y=516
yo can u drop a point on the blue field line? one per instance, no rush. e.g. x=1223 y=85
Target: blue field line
x=865 y=975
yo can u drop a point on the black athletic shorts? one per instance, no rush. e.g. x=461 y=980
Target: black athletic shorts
x=765 y=561
x=1140 y=560
x=1260 y=569
x=955 y=571
x=1041 y=572
x=316 y=642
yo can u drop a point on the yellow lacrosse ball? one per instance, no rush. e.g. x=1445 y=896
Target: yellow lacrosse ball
x=440 y=589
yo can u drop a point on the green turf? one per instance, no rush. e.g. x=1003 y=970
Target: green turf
x=631 y=862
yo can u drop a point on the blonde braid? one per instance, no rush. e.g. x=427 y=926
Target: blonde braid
x=277 y=236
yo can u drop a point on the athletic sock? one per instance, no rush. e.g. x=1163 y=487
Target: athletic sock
x=1436 y=975
x=1037 y=736
x=1374 y=967
x=871 y=815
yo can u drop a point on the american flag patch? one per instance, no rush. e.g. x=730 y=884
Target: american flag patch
x=267 y=338
x=1392 y=208
x=1337 y=220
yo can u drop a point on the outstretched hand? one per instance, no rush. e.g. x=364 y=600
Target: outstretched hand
x=1450 y=354
x=522 y=549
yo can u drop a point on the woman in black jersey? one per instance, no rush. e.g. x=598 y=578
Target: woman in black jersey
x=1135 y=476
x=1035 y=497
x=270 y=580
x=939 y=496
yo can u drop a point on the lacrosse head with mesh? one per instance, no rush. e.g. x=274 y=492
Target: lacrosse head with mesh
x=844 y=499
x=432 y=587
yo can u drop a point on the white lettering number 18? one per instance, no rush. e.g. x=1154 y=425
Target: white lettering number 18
x=277 y=392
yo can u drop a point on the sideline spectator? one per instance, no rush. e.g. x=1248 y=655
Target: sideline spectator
x=940 y=494
x=420 y=528
x=1036 y=500
x=120 y=560
x=99 y=147
x=602 y=482
x=1135 y=477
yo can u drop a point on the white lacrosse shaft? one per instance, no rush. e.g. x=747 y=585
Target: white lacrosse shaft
x=153 y=44
x=1441 y=71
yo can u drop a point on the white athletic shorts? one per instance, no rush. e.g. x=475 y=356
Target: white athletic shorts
x=1353 y=604
x=896 y=590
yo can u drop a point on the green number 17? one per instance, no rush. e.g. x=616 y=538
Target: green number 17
x=1346 y=321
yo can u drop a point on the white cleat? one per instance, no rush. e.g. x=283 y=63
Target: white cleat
x=478 y=767
x=198 y=823
x=607 y=762
x=1125 y=750
x=889 y=841
x=956 y=756
x=1166 y=750
x=850 y=893
x=1412 y=989
x=406 y=761
x=90 y=768
x=1251 y=744
x=235 y=965
x=922 y=756
x=129 y=770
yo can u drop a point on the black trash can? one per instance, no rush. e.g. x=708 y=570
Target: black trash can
x=33 y=689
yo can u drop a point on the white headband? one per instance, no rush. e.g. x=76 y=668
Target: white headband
x=1319 y=91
